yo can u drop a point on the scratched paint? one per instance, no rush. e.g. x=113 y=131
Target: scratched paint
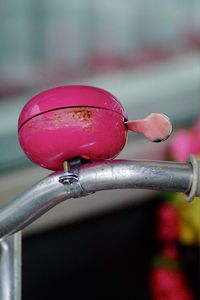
x=83 y=117
x=62 y=134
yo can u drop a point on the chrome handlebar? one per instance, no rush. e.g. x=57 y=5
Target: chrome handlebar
x=81 y=180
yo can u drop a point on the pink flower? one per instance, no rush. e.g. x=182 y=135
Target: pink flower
x=169 y=284
x=170 y=252
x=184 y=142
x=168 y=226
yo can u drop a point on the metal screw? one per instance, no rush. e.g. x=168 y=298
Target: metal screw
x=68 y=178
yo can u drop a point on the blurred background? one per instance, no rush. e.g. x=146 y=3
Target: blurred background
x=147 y=53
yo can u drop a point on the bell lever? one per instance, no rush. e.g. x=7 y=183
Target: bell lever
x=156 y=127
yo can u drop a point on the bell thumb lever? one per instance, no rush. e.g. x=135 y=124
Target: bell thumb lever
x=156 y=127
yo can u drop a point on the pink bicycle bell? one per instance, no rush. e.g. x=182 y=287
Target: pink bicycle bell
x=78 y=121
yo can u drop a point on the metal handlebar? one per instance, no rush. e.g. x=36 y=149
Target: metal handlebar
x=77 y=181
x=88 y=178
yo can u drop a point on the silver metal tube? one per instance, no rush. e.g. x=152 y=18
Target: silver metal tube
x=92 y=177
x=10 y=267
x=137 y=174
x=32 y=204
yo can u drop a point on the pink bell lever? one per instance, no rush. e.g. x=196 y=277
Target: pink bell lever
x=156 y=127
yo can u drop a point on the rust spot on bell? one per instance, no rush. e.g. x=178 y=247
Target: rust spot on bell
x=82 y=116
x=82 y=113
